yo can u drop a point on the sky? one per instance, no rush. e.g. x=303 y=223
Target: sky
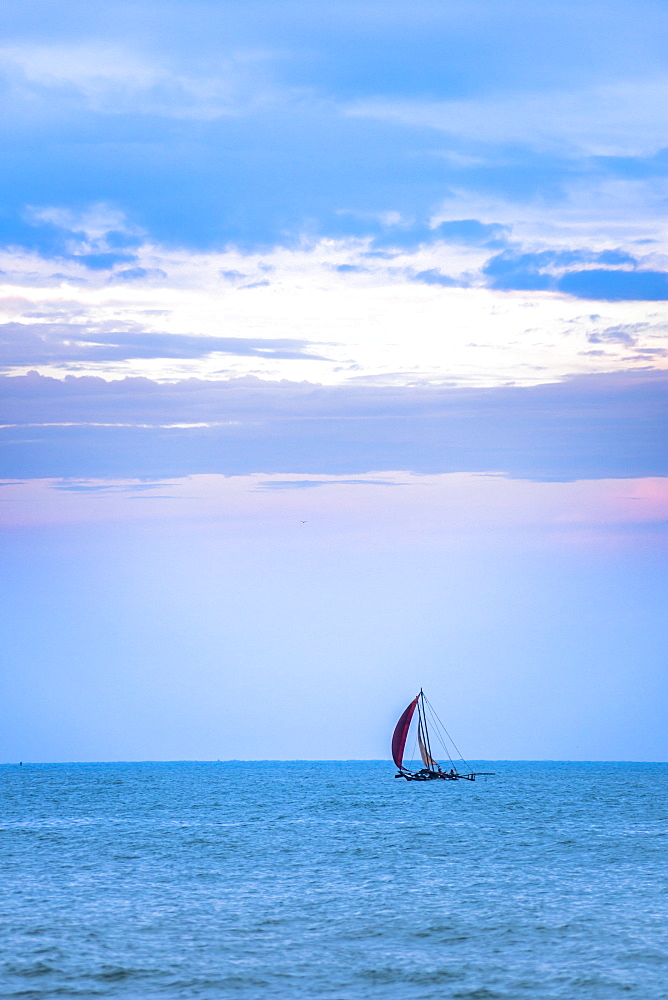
x=333 y=364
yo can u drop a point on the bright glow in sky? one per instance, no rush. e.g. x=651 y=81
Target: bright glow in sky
x=333 y=355
x=328 y=313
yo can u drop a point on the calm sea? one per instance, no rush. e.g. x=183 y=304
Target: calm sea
x=333 y=880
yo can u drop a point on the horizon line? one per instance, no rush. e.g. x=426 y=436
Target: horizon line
x=323 y=760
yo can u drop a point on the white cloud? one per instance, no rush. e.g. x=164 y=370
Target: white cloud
x=95 y=221
x=593 y=212
x=377 y=324
x=116 y=80
x=627 y=118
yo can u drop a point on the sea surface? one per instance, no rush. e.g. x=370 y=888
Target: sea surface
x=333 y=880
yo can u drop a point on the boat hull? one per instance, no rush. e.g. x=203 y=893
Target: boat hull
x=428 y=775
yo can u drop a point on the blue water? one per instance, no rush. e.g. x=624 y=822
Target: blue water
x=333 y=880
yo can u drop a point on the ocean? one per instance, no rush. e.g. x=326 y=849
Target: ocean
x=333 y=880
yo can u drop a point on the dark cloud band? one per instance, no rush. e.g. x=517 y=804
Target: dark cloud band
x=588 y=427
x=52 y=343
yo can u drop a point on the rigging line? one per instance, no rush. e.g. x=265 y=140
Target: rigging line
x=437 y=721
x=431 y=707
x=413 y=758
x=445 y=738
x=445 y=748
x=459 y=760
x=442 y=740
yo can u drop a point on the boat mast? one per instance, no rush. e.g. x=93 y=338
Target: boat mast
x=423 y=721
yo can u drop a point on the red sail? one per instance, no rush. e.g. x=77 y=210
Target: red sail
x=401 y=732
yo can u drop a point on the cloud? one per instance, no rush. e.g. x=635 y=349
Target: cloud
x=115 y=79
x=256 y=124
x=586 y=427
x=85 y=486
x=621 y=118
x=139 y=273
x=301 y=484
x=99 y=237
x=97 y=221
x=232 y=275
x=43 y=343
x=328 y=301
x=620 y=334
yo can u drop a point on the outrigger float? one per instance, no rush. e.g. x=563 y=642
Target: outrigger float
x=432 y=770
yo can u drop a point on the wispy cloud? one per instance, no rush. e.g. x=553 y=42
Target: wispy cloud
x=45 y=343
x=625 y=118
x=307 y=484
x=94 y=222
x=115 y=79
x=105 y=487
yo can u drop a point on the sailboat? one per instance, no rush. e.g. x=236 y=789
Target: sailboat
x=432 y=770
